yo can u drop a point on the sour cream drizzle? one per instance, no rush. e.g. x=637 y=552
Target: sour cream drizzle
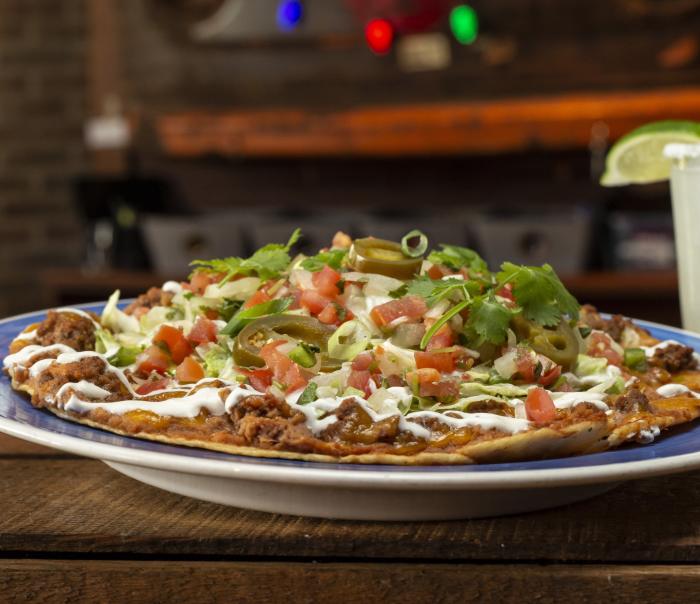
x=319 y=413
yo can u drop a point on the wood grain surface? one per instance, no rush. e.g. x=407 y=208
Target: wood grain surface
x=74 y=506
x=71 y=581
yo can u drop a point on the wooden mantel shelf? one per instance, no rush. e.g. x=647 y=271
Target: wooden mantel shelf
x=553 y=122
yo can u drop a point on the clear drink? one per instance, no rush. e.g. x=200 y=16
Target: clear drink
x=685 y=195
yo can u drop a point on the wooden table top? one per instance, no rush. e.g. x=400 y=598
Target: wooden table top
x=73 y=530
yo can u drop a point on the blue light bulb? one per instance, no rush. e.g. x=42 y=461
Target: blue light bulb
x=289 y=14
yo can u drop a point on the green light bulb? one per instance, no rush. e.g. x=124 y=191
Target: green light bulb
x=464 y=24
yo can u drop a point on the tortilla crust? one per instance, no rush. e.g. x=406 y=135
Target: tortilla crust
x=534 y=444
x=587 y=436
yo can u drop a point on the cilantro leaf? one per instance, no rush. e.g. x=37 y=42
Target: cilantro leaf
x=489 y=319
x=539 y=292
x=434 y=290
x=268 y=262
x=246 y=315
x=333 y=258
x=457 y=257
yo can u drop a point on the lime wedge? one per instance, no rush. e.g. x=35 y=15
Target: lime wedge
x=638 y=158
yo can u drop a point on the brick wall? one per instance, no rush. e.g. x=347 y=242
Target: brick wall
x=42 y=91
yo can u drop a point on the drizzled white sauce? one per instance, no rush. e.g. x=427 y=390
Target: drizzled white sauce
x=188 y=406
x=80 y=313
x=670 y=390
x=172 y=287
x=566 y=400
x=24 y=357
x=27 y=335
x=488 y=421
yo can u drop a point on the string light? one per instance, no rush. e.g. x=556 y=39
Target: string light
x=464 y=24
x=380 y=35
x=289 y=14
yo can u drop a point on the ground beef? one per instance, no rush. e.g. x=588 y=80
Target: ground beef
x=270 y=423
x=614 y=326
x=153 y=297
x=673 y=357
x=633 y=401
x=67 y=328
x=354 y=425
x=91 y=369
x=495 y=407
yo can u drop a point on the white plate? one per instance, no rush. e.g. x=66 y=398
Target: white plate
x=351 y=490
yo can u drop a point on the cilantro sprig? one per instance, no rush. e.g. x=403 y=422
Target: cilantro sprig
x=333 y=258
x=457 y=257
x=268 y=262
x=540 y=293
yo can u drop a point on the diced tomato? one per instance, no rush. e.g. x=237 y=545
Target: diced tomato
x=326 y=282
x=284 y=370
x=422 y=376
x=260 y=379
x=412 y=307
x=442 y=361
x=199 y=281
x=444 y=389
x=175 y=340
x=443 y=338
x=506 y=292
x=329 y=315
x=539 y=406
x=600 y=344
x=313 y=301
x=152 y=359
x=551 y=376
x=363 y=361
x=437 y=272
x=526 y=364
x=152 y=386
x=258 y=297
x=189 y=371
x=202 y=332
x=360 y=379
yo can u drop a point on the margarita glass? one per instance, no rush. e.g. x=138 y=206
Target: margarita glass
x=685 y=196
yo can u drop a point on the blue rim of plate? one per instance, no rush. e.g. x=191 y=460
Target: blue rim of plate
x=678 y=450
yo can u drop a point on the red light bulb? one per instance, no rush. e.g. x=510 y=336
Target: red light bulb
x=380 y=35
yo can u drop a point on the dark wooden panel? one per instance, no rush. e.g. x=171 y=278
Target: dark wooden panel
x=74 y=581
x=11 y=447
x=83 y=506
x=556 y=122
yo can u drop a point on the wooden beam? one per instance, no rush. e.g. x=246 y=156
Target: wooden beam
x=105 y=90
x=494 y=126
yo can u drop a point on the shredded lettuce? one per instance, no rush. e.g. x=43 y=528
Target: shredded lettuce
x=587 y=365
x=500 y=390
x=349 y=340
x=115 y=319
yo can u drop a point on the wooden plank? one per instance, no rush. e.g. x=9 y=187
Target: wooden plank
x=155 y=581
x=83 y=506
x=10 y=447
x=556 y=122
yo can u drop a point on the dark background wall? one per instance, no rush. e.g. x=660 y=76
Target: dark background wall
x=527 y=49
x=42 y=91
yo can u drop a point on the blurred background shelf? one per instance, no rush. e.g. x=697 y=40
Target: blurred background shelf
x=485 y=126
